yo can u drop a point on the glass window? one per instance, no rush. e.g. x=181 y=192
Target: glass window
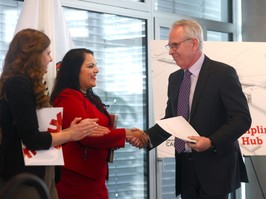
x=9 y=13
x=218 y=36
x=164 y=33
x=207 y=9
x=168 y=178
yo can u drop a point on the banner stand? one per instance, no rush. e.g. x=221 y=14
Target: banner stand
x=256 y=175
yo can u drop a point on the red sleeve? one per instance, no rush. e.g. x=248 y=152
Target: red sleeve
x=75 y=104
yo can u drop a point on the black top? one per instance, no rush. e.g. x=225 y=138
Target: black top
x=19 y=123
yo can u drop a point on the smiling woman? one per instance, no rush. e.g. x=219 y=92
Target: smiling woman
x=122 y=86
x=88 y=72
x=86 y=161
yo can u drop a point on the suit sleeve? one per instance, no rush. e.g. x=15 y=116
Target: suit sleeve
x=238 y=115
x=156 y=134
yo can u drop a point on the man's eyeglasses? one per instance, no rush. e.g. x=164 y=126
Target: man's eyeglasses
x=175 y=46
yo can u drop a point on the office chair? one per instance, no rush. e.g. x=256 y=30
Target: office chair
x=21 y=179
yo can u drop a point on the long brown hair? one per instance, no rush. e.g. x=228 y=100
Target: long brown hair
x=24 y=58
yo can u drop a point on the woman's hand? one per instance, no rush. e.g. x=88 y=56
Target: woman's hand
x=78 y=130
x=136 y=137
x=87 y=127
x=94 y=128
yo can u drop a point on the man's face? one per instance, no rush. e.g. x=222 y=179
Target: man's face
x=182 y=48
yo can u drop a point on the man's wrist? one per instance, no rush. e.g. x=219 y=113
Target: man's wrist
x=149 y=144
x=212 y=147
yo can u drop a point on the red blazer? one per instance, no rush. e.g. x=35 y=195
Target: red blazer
x=88 y=156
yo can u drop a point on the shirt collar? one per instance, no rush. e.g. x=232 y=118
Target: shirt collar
x=195 y=68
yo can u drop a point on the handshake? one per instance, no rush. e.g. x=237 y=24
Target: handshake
x=137 y=138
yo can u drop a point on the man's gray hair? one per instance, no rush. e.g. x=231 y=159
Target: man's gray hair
x=192 y=29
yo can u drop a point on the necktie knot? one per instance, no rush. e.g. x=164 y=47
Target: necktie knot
x=187 y=73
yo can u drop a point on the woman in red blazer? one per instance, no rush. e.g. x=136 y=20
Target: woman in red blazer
x=86 y=167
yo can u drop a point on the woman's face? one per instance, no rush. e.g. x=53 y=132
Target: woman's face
x=88 y=72
x=46 y=59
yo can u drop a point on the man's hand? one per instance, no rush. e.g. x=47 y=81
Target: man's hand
x=137 y=138
x=202 y=143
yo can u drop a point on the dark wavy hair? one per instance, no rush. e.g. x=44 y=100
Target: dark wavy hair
x=68 y=77
x=24 y=58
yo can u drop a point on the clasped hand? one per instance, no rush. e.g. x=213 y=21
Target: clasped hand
x=137 y=138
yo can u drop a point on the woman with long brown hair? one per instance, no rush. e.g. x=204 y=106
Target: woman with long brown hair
x=22 y=92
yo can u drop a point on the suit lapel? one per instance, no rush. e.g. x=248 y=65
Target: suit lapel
x=202 y=80
x=175 y=86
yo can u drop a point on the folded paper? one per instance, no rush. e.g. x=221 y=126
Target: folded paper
x=178 y=127
x=49 y=119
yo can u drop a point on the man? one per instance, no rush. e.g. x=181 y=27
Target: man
x=212 y=167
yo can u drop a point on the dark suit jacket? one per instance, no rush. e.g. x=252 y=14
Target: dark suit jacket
x=219 y=111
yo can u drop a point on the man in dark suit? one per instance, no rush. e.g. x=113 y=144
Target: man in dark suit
x=212 y=167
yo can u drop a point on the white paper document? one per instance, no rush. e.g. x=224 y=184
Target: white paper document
x=49 y=119
x=178 y=127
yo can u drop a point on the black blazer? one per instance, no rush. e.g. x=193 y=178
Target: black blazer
x=19 y=123
x=219 y=111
